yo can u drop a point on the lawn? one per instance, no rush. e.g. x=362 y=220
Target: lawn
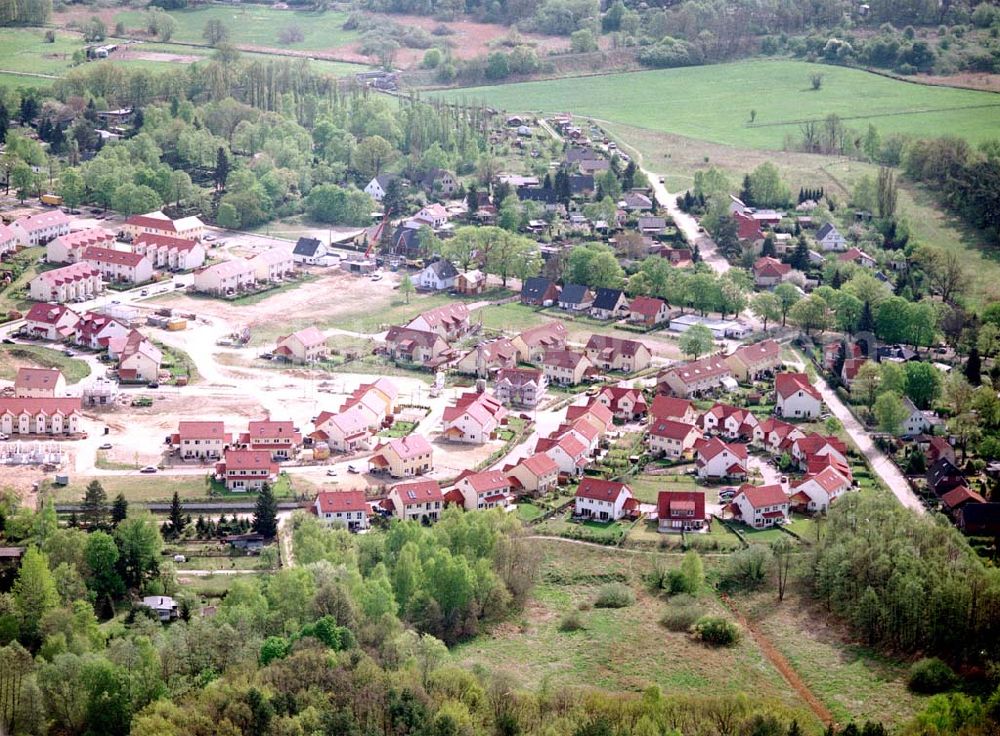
x=17 y=81
x=619 y=649
x=528 y=511
x=15 y=295
x=255 y=26
x=561 y=526
x=713 y=102
x=25 y=50
x=14 y=356
x=160 y=488
x=512 y=317
x=647 y=487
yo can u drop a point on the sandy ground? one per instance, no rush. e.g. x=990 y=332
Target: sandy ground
x=137 y=54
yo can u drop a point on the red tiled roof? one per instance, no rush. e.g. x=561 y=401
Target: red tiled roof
x=108 y=255
x=647 y=306
x=331 y=502
x=49 y=313
x=697 y=370
x=669 y=407
x=155 y=223
x=46 y=405
x=487 y=480
x=550 y=333
x=787 y=384
x=601 y=490
x=540 y=464
x=420 y=491
x=671 y=429
x=250 y=460
x=158 y=240
x=37 y=378
x=666 y=501
x=770 y=267
x=759 y=351
x=713 y=446
x=760 y=496
x=202 y=430
x=957 y=496
x=615 y=344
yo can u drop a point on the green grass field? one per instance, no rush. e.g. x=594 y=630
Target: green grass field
x=713 y=103
x=25 y=50
x=255 y=26
x=14 y=356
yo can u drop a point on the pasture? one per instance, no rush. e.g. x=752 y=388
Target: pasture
x=714 y=103
x=254 y=25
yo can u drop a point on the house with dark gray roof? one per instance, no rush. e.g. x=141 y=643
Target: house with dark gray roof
x=830 y=239
x=576 y=298
x=539 y=292
x=437 y=276
x=609 y=304
x=308 y=251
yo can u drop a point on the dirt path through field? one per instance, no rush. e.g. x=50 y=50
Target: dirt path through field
x=780 y=663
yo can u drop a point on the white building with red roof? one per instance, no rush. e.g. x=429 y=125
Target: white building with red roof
x=347 y=508
x=305 y=346
x=733 y=422
x=603 y=500
x=345 y=431
x=535 y=474
x=8 y=239
x=169 y=252
x=752 y=361
x=157 y=223
x=138 y=358
x=717 y=460
x=95 y=330
x=420 y=500
x=272 y=265
x=473 y=419
x=488 y=357
x=850 y=370
x=858 y=256
x=74 y=282
x=119 y=266
x=523 y=387
x=616 y=354
x=566 y=367
x=39 y=229
x=227 y=277
x=695 y=377
x=595 y=414
x=403 y=457
x=769 y=272
x=796 y=397
x=200 y=440
x=246 y=470
x=40 y=416
x=280 y=438
x=648 y=311
x=816 y=492
x=488 y=489
x=761 y=506
x=775 y=435
x=37 y=383
x=69 y=248
x=671 y=438
x=51 y=322
x=568 y=451
x=450 y=321
x=670 y=407
x=626 y=404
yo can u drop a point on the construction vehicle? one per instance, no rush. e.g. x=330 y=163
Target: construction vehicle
x=53 y=200
x=377 y=235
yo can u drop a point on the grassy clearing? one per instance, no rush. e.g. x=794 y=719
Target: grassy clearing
x=713 y=102
x=160 y=488
x=618 y=649
x=255 y=25
x=15 y=295
x=13 y=357
x=512 y=317
x=25 y=50
x=240 y=562
x=647 y=487
x=528 y=511
x=335 y=68
x=854 y=682
x=18 y=81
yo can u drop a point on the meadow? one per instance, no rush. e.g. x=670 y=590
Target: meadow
x=714 y=102
x=255 y=26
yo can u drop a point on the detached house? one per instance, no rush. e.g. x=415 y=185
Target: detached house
x=305 y=346
x=246 y=470
x=916 y=422
x=433 y=216
x=670 y=407
x=716 y=460
x=680 y=511
x=796 y=397
x=488 y=489
x=565 y=367
x=51 y=322
x=750 y=362
x=438 y=276
x=37 y=383
x=200 y=440
x=535 y=474
x=616 y=354
x=523 y=387
x=473 y=419
x=733 y=422
x=761 y=506
x=609 y=304
x=420 y=501
x=818 y=490
x=539 y=292
x=768 y=272
x=858 y=256
x=40 y=416
x=281 y=439
x=775 y=435
x=672 y=439
x=829 y=238
x=377 y=187
x=696 y=377
x=648 y=311
x=419 y=347
x=626 y=404
x=349 y=508
x=576 y=298
x=450 y=321
x=69 y=248
x=943 y=476
x=488 y=357
x=603 y=500
x=568 y=450
x=138 y=358
x=309 y=252
x=403 y=457
x=439 y=181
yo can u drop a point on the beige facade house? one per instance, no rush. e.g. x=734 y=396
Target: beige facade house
x=304 y=346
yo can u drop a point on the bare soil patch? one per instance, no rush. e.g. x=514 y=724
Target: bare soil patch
x=137 y=55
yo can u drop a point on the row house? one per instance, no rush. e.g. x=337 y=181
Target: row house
x=807 y=450
x=75 y=282
x=718 y=460
x=169 y=252
x=450 y=321
x=733 y=422
x=609 y=304
x=200 y=440
x=305 y=346
x=281 y=439
x=345 y=431
x=119 y=266
x=40 y=416
x=403 y=457
x=227 y=277
x=626 y=404
x=488 y=489
x=272 y=265
x=347 y=508
x=568 y=449
x=796 y=397
x=51 y=322
x=522 y=387
x=376 y=400
x=32 y=230
x=603 y=500
x=680 y=511
x=39 y=383
x=532 y=344
x=761 y=506
x=419 y=347
x=473 y=419
x=246 y=470
x=595 y=414
x=695 y=378
x=69 y=248
x=487 y=358
x=768 y=272
x=672 y=439
x=157 y=223
x=8 y=239
x=539 y=292
x=566 y=367
x=96 y=330
x=617 y=354
x=420 y=501
x=670 y=407
x=751 y=362
x=775 y=435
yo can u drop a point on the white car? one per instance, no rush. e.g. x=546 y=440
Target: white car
x=352 y=468
x=209 y=238
x=331 y=472
x=148 y=469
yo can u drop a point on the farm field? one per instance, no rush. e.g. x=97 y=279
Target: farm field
x=713 y=103
x=255 y=26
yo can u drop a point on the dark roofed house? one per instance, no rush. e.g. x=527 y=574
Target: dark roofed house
x=651 y=225
x=943 y=476
x=980 y=519
x=405 y=242
x=539 y=292
x=308 y=251
x=576 y=298
x=580 y=184
x=439 y=181
x=538 y=194
x=609 y=304
x=637 y=202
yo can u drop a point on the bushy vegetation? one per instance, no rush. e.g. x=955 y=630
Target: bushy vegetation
x=930 y=676
x=716 y=631
x=614 y=595
x=682 y=613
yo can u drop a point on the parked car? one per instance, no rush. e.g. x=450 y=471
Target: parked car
x=152 y=384
x=331 y=472
x=148 y=469
x=144 y=292
x=352 y=468
x=68 y=353
x=105 y=446
x=209 y=238
x=8 y=341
